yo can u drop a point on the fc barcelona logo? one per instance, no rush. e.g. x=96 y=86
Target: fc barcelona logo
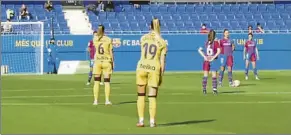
x=116 y=42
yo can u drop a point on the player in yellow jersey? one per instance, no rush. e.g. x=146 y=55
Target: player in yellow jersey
x=103 y=63
x=150 y=69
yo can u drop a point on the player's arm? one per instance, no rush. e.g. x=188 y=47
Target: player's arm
x=200 y=51
x=88 y=47
x=245 y=51
x=257 y=52
x=163 y=59
x=233 y=46
x=111 y=53
x=217 y=52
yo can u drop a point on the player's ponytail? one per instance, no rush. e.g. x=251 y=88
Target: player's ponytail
x=211 y=36
x=155 y=25
x=100 y=32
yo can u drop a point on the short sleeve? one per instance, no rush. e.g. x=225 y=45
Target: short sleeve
x=110 y=44
x=165 y=48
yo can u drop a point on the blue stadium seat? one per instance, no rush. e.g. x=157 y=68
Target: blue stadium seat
x=266 y=16
x=248 y=16
x=225 y=24
x=199 y=9
x=221 y=17
x=114 y=25
x=225 y=9
x=180 y=24
x=111 y=15
x=176 y=17
x=284 y=16
x=253 y=8
x=171 y=24
x=208 y=9
x=198 y=23
x=173 y=29
x=288 y=7
x=288 y=23
x=185 y=17
x=181 y=9
x=102 y=16
x=280 y=7
x=230 y=17
x=148 y=17
x=188 y=24
x=257 y=16
x=172 y=9
x=275 y=16
x=159 y=16
x=217 y=8
x=139 y=17
x=244 y=8
x=270 y=8
x=167 y=17
x=279 y=23
x=189 y=9
x=234 y=24
x=121 y=18
x=106 y=25
x=130 y=17
x=142 y=24
x=124 y=25
x=234 y=8
x=203 y=17
x=183 y=29
x=243 y=24
x=212 y=17
x=215 y=24
x=145 y=8
x=128 y=8
x=194 y=17
x=154 y=9
x=163 y=9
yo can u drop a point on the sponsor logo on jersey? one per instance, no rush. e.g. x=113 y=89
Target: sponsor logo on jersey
x=147 y=67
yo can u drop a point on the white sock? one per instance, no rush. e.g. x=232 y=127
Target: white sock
x=152 y=121
x=141 y=120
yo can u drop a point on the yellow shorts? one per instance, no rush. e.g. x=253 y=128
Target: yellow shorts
x=102 y=68
x=151 y=79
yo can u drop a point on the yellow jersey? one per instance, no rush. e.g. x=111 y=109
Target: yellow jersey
x=103 y=49
x=153 y=46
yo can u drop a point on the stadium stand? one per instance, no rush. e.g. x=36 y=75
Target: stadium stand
x=174 y=17
x=191 y=16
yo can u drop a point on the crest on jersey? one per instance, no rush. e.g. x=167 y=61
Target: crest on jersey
x=116 y=42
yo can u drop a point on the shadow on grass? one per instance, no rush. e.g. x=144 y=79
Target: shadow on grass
x=228 y=92
x=267 y=78
x=186 y=122
x=247 y=84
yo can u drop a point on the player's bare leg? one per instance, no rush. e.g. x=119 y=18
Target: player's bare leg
x=96 y=88
x=247 y=70
x=107 y=88
x=141 y=93
x=153 y=105
x=214 y=82
x=90 y=76
x=221 y=74
x=230 y=75
x=204 y=82
x=101 y=83
x=255 y=70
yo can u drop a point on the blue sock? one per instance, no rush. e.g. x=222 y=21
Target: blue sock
x=255 y=71
x=221 y=74
x=247 y=71
x=90 y=76
x=230 y=76
x=204 y=83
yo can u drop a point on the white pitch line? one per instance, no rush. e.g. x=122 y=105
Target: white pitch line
x=129 y=94
x=167 y=103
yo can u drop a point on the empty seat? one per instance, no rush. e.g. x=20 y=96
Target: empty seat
x=199 y=9
x=275 y=16
x=154 y=9
x=139 y=17
x=253 y=8
x=188 y=24
x=170 y=24
x=234 y=8
x=159 y=16
x=189 y=9
x=248 y=16
x=212 y=17
x=145 y=8
x=280 y=23
x=114 y=25
x=208 y=9
x=217 y=9
x=244 y=8
x=257 y=16
x=185 y=17
x=215 y=24
x=234 y=24
x=111 y=15
x=262 y=7
x=130 y=17
x=221 y=17
x=243 y=24
x=285 y=16
x=225 y=24
x=194 y=17
x=266 y=16
x=225 y=9
x=230 y=16
x=180 y=24
x=280 y=7
x=163 y=8
x=128 y=8
x=240 y=16
x=172 y=9
x=181 y=9
x=271 y=8
x=176 y=17
x=167 y=17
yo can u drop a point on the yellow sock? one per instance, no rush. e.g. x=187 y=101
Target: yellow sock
x=96 y=90
x=140 y=107
x=152 y=108
x=107 y=90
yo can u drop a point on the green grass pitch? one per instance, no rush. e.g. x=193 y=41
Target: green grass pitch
x=62 y=104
